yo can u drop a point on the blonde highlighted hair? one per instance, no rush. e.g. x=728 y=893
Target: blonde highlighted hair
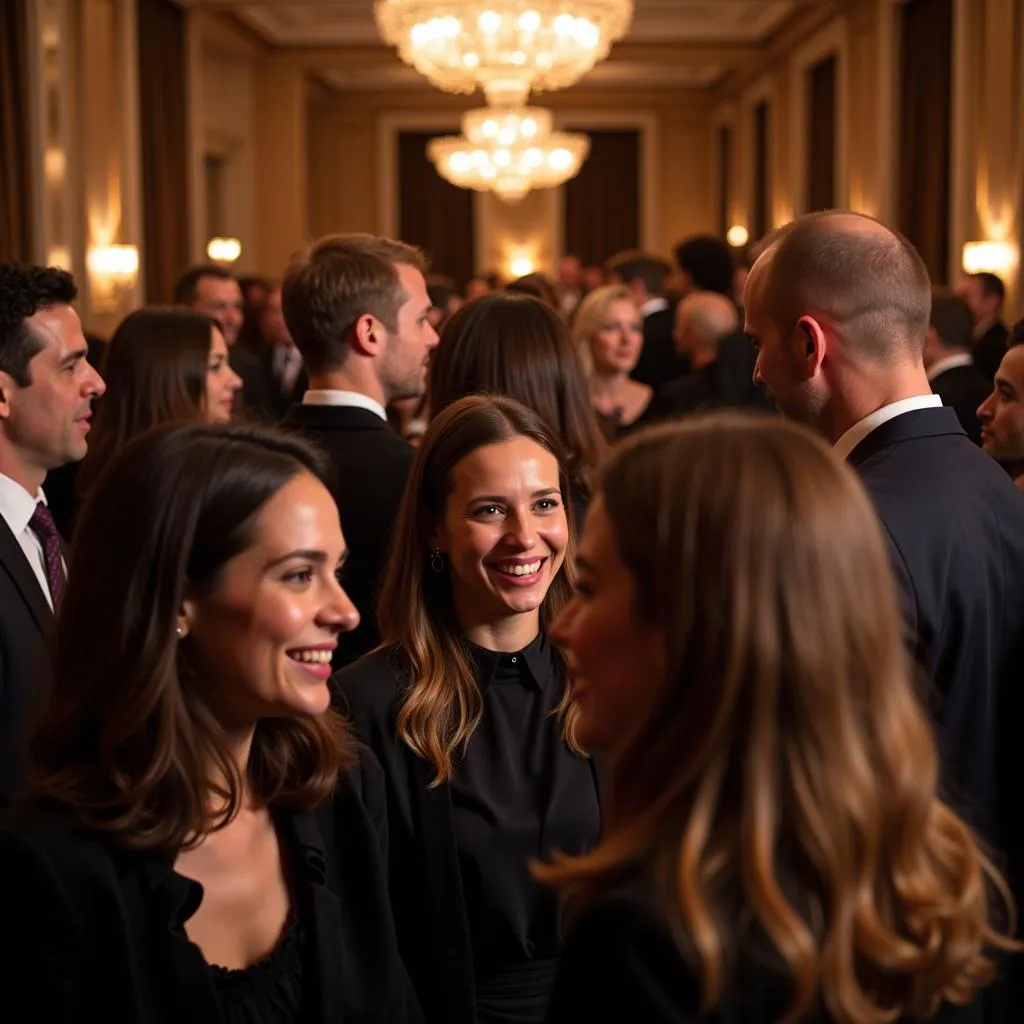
x=442 y=705
x=589 y=317
x=786 y=785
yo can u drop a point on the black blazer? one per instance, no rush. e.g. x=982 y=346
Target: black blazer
x=90 y=931
x=955 y=526
x=990 y=348
x=26 y=625
x=426 y=881
x=370 y=465
x=658 y=360
x=963 y=389
x=621 y=963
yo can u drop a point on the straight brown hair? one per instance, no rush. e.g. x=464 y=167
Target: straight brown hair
x=126 y=739
x=785 y=787
x=441 y=706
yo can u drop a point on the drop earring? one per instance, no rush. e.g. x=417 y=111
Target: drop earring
x=436 y=560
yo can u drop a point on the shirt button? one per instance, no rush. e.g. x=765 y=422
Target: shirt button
x=513 y=659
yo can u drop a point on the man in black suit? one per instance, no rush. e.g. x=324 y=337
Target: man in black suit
x=949 y=364
x=1002 y=412
x=645 y=276
x=985 y=293
x=214 y=292
x=839 y=306
x=46 y=392
x=358 y=309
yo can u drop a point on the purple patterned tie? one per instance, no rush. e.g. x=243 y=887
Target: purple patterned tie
x=45 y=529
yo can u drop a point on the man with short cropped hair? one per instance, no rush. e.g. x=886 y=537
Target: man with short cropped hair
x=46 y=392
x=838 y=305
x=358 y=309
x=985 y=293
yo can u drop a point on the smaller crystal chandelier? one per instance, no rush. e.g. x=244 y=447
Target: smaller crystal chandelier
x=508 y=151
x=506 y=47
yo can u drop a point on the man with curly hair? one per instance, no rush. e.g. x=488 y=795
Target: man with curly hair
x=46 y=392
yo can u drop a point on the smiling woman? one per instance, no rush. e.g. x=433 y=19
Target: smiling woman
x=185 y=804
x=466 y=706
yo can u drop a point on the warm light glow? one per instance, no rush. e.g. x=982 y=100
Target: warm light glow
x=224 y=250
x=116 y=263
x=989 y=257
x=737 y=236
x=514 y=150
x=58 y=256
x=496 y=45
x=521 y=266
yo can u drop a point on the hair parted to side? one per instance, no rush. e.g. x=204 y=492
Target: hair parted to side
x=186 y=288
x=155 y=370
x=442 y=705
x=863 y=277
x=336 y=280
x=515 y=345
x=24 y=291
x=788 y=758
x=126 y=739
x=590 y=316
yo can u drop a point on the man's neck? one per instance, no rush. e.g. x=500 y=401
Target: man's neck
x=340 y=380
x=15 y=468
x=869 y=392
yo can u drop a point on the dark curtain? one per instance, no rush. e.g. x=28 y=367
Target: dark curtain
x=164 y=136
x=925 y=140
x=759 y=215
x=434 y=214
x=821 y=135
x=602 y=203
x=724 y=177
x=15 y=134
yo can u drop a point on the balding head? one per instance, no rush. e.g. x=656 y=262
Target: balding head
x=860 y=278
x=702 y=320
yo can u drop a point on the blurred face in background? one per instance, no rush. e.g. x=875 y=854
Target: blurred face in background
x=273 y=329
x=1002 y=413
x=619 y=338
x=221 y=381
x=222 y=300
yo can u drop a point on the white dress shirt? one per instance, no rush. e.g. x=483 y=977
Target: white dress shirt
x=353 y=399
x=655 y=305
x=287 y=362
x=853 y=437
x=949 y=363
x=17 y=507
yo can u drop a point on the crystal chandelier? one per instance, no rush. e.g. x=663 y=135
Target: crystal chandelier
x=506 y=47
x=509 y=152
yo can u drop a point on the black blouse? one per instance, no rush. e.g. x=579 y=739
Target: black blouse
x=518 y=794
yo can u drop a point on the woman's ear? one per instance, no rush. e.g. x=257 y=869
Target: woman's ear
x=186 y=618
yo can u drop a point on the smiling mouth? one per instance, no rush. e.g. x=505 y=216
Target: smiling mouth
x=521 y=568
x=309 y=656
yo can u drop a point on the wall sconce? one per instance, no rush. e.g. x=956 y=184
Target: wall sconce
x=737 y=236
x=224 y=250
x=520 y=266
x=989 y=257
x=113 y=270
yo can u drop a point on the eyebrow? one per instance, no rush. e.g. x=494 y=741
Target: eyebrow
x=73 y=357
x=501 y=497
x=1002 y=382
x=309 y=555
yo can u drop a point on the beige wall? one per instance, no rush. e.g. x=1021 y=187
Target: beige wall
x=988 y=124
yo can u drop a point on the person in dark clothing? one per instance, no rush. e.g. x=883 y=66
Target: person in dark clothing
x=985 y=293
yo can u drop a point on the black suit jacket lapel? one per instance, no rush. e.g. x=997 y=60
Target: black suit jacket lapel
x=444 y=883
x=908 y=426
x=13 y=560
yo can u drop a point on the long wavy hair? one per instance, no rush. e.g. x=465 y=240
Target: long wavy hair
x=442 y=704
x=127 y=739
x=155 y=369
x=785 y=787
x=515 y=345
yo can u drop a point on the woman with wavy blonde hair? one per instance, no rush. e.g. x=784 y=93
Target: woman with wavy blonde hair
x=466 y=706
x=774 y=846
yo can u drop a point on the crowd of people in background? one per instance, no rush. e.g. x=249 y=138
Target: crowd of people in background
x=642 y=643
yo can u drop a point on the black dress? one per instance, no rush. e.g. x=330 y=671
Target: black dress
x=479 y=937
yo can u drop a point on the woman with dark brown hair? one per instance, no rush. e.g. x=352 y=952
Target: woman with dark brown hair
x=162 y=366
x=775 y=847
x=514 y=345
x=466 y=707
x=200 y=839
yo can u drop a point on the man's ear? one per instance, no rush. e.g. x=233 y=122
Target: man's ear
x=811 y=336
x=367 y=335
x=7 y=388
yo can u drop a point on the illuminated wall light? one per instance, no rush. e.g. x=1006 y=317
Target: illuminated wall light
x=989 y=257
x=113 y=270
x=520 y=266
x=224 y=250
x=737 y=236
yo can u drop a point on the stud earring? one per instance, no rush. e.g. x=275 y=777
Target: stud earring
x=179 y=632
x=436 y=560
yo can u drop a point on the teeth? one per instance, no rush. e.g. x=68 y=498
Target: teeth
x=311 y=657
x=527 y=569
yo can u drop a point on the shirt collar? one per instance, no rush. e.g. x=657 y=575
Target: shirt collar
x=655 y=305
x=17 y=506
x=853 y=437
x=351 y=399
x=949 y=363
x=534 y=663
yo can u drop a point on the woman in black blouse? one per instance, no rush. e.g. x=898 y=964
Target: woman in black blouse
x=466 y=707
x=202 y=841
